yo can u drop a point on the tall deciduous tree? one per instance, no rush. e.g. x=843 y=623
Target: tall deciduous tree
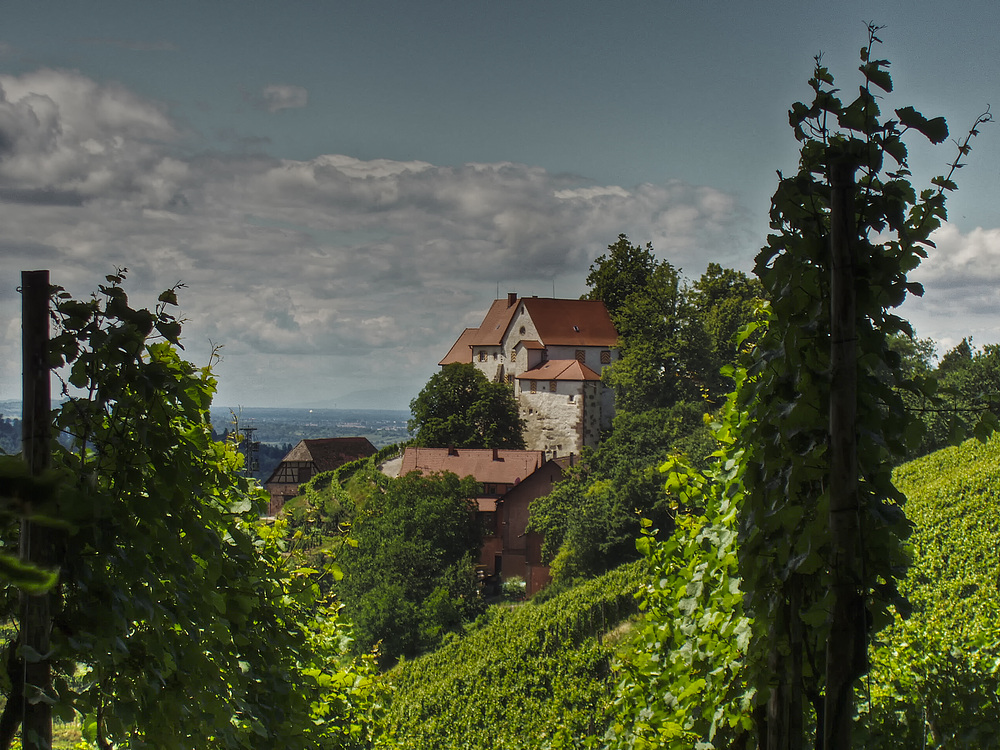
x=460 y=407
x=623 y=270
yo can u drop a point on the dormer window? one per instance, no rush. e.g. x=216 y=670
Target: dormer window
x=576 y=328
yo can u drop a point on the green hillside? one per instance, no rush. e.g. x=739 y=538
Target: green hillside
x=531 y=676
x=936 y=680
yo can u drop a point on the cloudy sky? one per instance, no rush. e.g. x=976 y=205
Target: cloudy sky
x=343 y=186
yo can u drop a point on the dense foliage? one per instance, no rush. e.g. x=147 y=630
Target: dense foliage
x=772 y=483
x=674 y=338
x=178 y=621
x=459 y=407
x=409 y=575
x=936 y=675
x=529 y=676
x=591 y=519
x=817 y=564
x=967 y=389
x=684 y=676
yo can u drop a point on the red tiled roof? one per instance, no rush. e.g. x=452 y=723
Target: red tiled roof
x=559 y=322
x=514 y=465
x=494 y=325
x=560 y=369
x=568 y=322
x=461 y=350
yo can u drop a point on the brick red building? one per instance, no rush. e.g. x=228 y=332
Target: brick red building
x=509 y=481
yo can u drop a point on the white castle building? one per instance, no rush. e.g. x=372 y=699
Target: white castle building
x=552 y=352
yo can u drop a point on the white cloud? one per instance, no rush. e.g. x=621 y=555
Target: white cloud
x=276 y=97
x=961 y=279
x=321 y=276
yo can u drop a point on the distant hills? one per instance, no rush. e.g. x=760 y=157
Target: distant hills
x=393 y=399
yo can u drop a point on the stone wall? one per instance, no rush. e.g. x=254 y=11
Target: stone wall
x=554 y=422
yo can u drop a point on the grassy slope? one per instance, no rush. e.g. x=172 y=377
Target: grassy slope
x=937 y=679
x=530 y=675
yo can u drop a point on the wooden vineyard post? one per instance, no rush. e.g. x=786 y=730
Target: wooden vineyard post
x=846 y=648
x=36 y=542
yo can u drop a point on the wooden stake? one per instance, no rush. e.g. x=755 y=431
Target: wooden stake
x=36 y=543
x=845 y=654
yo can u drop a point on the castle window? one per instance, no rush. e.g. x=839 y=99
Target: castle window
x=552 y=386
x=510 y=378
x=605 y=358
x=534 y=386
x=482 y=356
x=513 y=355
x=581 y=356
x=522 y=329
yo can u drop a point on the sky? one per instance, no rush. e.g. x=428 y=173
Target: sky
x=342 y=187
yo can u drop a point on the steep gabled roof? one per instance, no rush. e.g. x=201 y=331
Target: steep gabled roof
x=559 y=322
x=508 y=466
x=560 y=369
x=571 y=322
x=328 y=453
x=496 y=322
x=461 y=351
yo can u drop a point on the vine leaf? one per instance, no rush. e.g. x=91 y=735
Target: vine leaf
x=936 y=129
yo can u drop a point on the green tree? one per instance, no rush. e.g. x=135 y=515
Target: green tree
x=724 y=301
x=622 y=271
x=673 y=338
x=460 y=407
x=963 y=390
x=409 y=574
x=591 y=519
x=178 y=621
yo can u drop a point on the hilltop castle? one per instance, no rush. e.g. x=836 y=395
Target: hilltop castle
x=552 y=353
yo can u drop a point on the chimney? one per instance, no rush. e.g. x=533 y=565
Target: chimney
x=452 y=450
x=511 y=298
x=496 y=454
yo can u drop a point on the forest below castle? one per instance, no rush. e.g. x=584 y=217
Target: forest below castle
x=786 y=540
